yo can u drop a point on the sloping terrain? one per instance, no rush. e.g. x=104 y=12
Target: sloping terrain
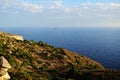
x=32 y=60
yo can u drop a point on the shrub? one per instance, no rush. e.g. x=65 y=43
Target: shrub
x=78 y=61
x=40 y=43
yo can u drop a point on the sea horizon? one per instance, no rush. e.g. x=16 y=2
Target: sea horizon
x=100 y=44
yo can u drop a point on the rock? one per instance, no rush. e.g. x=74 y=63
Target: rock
x=5 y=77
x=4 y=63
x=17 y=37
x=4 y=66
x=2 y=72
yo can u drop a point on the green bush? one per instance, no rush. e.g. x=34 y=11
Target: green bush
x=78 y=61
x=40 y=43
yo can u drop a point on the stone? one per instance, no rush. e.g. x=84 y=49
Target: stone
x=2 y=73
x=4 y=63
x=17 y=37
x=4 y=66
x=5 y=77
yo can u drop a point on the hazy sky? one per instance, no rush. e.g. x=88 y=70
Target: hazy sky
x=60 y=13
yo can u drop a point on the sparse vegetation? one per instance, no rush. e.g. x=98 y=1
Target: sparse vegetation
x=32 y=60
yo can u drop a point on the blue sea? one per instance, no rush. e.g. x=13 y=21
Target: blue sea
x=100 y=44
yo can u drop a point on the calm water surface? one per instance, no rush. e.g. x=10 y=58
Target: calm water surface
x=100 y=44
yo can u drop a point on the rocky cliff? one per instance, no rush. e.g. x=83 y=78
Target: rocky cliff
x=17 y=37
x=32 y=60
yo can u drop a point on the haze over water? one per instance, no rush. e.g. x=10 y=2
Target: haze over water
x=100 y=44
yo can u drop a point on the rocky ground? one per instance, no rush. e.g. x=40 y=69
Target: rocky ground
x=32 y=60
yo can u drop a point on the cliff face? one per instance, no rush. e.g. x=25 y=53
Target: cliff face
x=17 y=37
x=40 y=61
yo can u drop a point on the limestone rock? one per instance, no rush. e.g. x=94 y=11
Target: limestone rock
x=4 y=63
x=2 y=72
x=5 y=77
x=17 y=37
x=4 y=66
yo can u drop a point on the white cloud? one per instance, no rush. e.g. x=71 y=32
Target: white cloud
x=98 y=5
x=52 y=7
x=67 y=10
x=115 y=5
x=58 y=2
x=99 y=9
x=13 y=6
x=31 y=7
x=60 y=12
x=59 y=6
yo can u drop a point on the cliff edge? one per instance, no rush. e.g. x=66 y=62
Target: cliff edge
x=32 y=60
x=17 y=37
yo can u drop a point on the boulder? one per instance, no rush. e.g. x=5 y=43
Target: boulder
x=4 y=63
x=4 y=66
x=5 y=77
x=2 y=72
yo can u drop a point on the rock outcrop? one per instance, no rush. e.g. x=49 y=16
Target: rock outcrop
x=40 y=61
x=17 y=37
x=4 y=66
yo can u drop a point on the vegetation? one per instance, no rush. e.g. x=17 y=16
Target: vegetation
x=32 y=60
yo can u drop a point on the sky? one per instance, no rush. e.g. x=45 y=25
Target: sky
x=59 y=13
